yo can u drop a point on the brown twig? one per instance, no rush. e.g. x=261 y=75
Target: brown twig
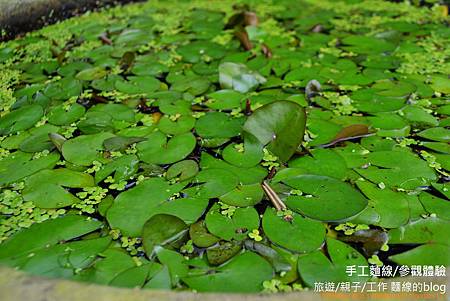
x=273 y=197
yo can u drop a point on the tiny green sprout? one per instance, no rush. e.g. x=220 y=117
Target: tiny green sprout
x=115 y=234
x=236 y=112
x=286 y=214
x=385 y=247
x=255 y=235
x=375 y=260
x=269 y=160
x=239 y=147
x=227 y=210
x=350 y=228
x=118 y=186
x=197 y=115
x=295 y=192
x=188 y=247
x=147 y=120
x=96 y=165
x=175 y=117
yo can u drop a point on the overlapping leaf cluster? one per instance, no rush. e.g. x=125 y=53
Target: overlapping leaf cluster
x=134 y=143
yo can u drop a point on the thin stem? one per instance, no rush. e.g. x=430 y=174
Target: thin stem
x=273 y=197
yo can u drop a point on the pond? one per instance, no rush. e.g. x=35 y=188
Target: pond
x=228 y=146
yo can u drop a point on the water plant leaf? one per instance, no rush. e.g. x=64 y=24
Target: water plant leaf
x=279 y=126
x=47 y=233
x=237 y=226
x=239 y=77
x=228 y=278
x=316 y=266
x=324 y=198
x=162 y=230
x=298 y=235
x=83 y=150
x=47 y=188
x=138 y=204
x=160 y=150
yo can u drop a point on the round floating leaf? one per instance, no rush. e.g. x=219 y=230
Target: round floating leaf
x=20 y=119
x=428 y=254
x=182 y=170
x=213 y=183
x=160 y=151
x=239 y=77
x=49 y=232
x=280 y=126
x=47 y=188
x=229 y=277
x=193 y=52
x=428 y=230
x=247 y=154
x=181 y=125
x=397 y=169
x=391 y=207
x=223 y=251
x=241 y=222
x=298 y=235
x=317 y=267
x=321 y=162
x=160 y=230
x=83 y=150
x=218 y=125
x=224 y=100
x=62 y=115
x=435 y=205
x=324 y=198
x=243 y=195
x=138 y=204
x=200 y=235
x=20 y=165
x=436 y=134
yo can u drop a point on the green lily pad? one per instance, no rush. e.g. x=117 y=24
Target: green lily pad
x=317 y=267
x=121 y=168
x=324 y=198
x=428 y=230
x=247 y=155
x=218 y=125
x=228 y=278
x=242 y=221
x=47 y=188
x=435 y=205
x=62 y=259
x=239 y=77
x=157 y=149
x=63 y=115
x=243 y=195
x=83 y=150
x=182 y=170
x=298 y=235
x=280 y=126
x=162 y=230
x=138 y=204
x=212 y=183
x=47 y=233
x=428 y=254
x=182 y=125
x=222 y=252
x=20 y=165
x=436 y=134
x=397 y=169
x=113 y=263
x=321 y=162
x=200 y=235
x=20 y=119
